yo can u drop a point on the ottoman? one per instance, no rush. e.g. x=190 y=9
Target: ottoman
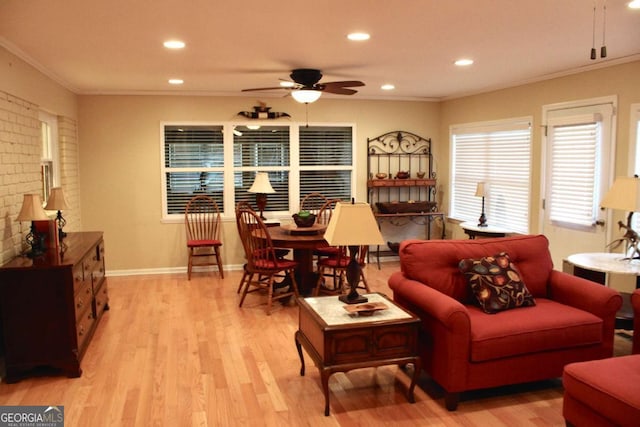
x=602 y=392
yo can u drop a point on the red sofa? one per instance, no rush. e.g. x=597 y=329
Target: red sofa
x=606 y=392
x=463 y=348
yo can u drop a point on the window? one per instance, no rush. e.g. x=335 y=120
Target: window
x=298 y=159
x=193 y=164
x=499 y=154
x=326 y=161
x=577 y=164
x=575 y=167
x=49 y=161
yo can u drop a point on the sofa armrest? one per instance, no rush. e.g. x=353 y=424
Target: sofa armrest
x=584 y=294
x=446 y=346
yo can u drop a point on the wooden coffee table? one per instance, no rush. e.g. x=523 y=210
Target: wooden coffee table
x=340 y=342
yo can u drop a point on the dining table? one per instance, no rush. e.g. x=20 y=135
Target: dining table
x=303 y=241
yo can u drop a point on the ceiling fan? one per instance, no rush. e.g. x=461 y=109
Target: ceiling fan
x=306 y=86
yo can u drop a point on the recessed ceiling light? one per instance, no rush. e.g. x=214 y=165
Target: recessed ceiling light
x=174 y=44
x=635 y=4
x=358 y=36
x=387 y=86
x=176 y=81
x=464 y=62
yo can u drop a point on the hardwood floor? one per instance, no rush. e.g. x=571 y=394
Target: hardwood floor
x=173 y=352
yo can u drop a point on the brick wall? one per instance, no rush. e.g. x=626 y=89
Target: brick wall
x=70 y=173
x=20 y=155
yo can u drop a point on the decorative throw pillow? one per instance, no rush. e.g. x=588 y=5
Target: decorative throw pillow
x=496 y=283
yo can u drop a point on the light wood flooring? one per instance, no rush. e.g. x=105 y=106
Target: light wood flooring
x=173 y=352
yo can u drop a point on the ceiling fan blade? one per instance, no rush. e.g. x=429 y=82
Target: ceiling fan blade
x=264 y=88
x=337 y=90
x=346 y=83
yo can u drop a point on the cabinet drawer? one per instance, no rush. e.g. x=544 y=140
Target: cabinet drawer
x=101 y=299
x=83 y=328
x=78 y=277
x=82 y=300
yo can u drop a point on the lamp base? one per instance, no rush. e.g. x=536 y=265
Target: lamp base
x=358 y=299
x=482 y=221
x=353 y=275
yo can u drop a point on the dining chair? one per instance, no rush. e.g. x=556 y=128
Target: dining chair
x=337 y=264
x=323 y=217
x=262 y=260
x=313 y=202
x=202 y=224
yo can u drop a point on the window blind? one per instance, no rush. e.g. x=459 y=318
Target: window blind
x=573 y=190
x=326 y=161
x=499 y=155
x=193 y=161
x=256 y=150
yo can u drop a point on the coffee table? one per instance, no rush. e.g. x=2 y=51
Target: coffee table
x=340 y=342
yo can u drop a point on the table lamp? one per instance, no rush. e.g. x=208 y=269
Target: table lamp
x=57 y=202
x=353 y=225
x=261 y=186
x=32 y=211
x=482 y=190
x=625 y=195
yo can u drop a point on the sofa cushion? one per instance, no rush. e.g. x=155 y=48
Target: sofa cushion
x=547 y=326
x=496 y=283
x=611 y=387
x=435 y=262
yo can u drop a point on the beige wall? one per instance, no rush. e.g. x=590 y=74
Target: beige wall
x=528 y=100
x=23 y=81
x=120 y=163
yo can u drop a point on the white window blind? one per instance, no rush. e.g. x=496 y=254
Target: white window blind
x=575 y=168
x=193 y=164
x=267 y=149
x=499 y=154
x=326 y=161
x=299 y=159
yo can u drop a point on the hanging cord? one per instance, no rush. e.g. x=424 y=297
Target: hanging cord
x=306 y=111
x=593 y=41
x=603 y=49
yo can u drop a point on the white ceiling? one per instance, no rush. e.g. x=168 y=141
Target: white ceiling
x=115 y=46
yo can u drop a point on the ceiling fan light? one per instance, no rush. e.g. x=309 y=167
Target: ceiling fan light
x=306 y=96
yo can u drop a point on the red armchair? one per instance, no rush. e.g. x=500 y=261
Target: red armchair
x=463 y=348
x=635 y=303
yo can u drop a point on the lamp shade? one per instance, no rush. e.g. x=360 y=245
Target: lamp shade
x=353 y=224
x=56 y=201
x=482 y=189
x=261 y=184
x=623 y=195
x=32 y=209
x=306 y=96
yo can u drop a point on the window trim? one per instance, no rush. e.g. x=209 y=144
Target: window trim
x=229 y=168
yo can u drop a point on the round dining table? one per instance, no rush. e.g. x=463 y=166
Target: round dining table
x=303 y=241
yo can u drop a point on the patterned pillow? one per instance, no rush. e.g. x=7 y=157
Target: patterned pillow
x=496 y=283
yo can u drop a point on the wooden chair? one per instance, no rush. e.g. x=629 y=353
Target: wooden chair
x=338 y=266
x=323 y=217
x=262 y=260
x=202 y=223
x=312 y=202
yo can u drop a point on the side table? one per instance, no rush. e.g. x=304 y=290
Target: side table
x=609 y=269
x=472 y=230
x=340 y=342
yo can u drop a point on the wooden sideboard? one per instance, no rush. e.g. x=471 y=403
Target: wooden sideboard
x=51 y=306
